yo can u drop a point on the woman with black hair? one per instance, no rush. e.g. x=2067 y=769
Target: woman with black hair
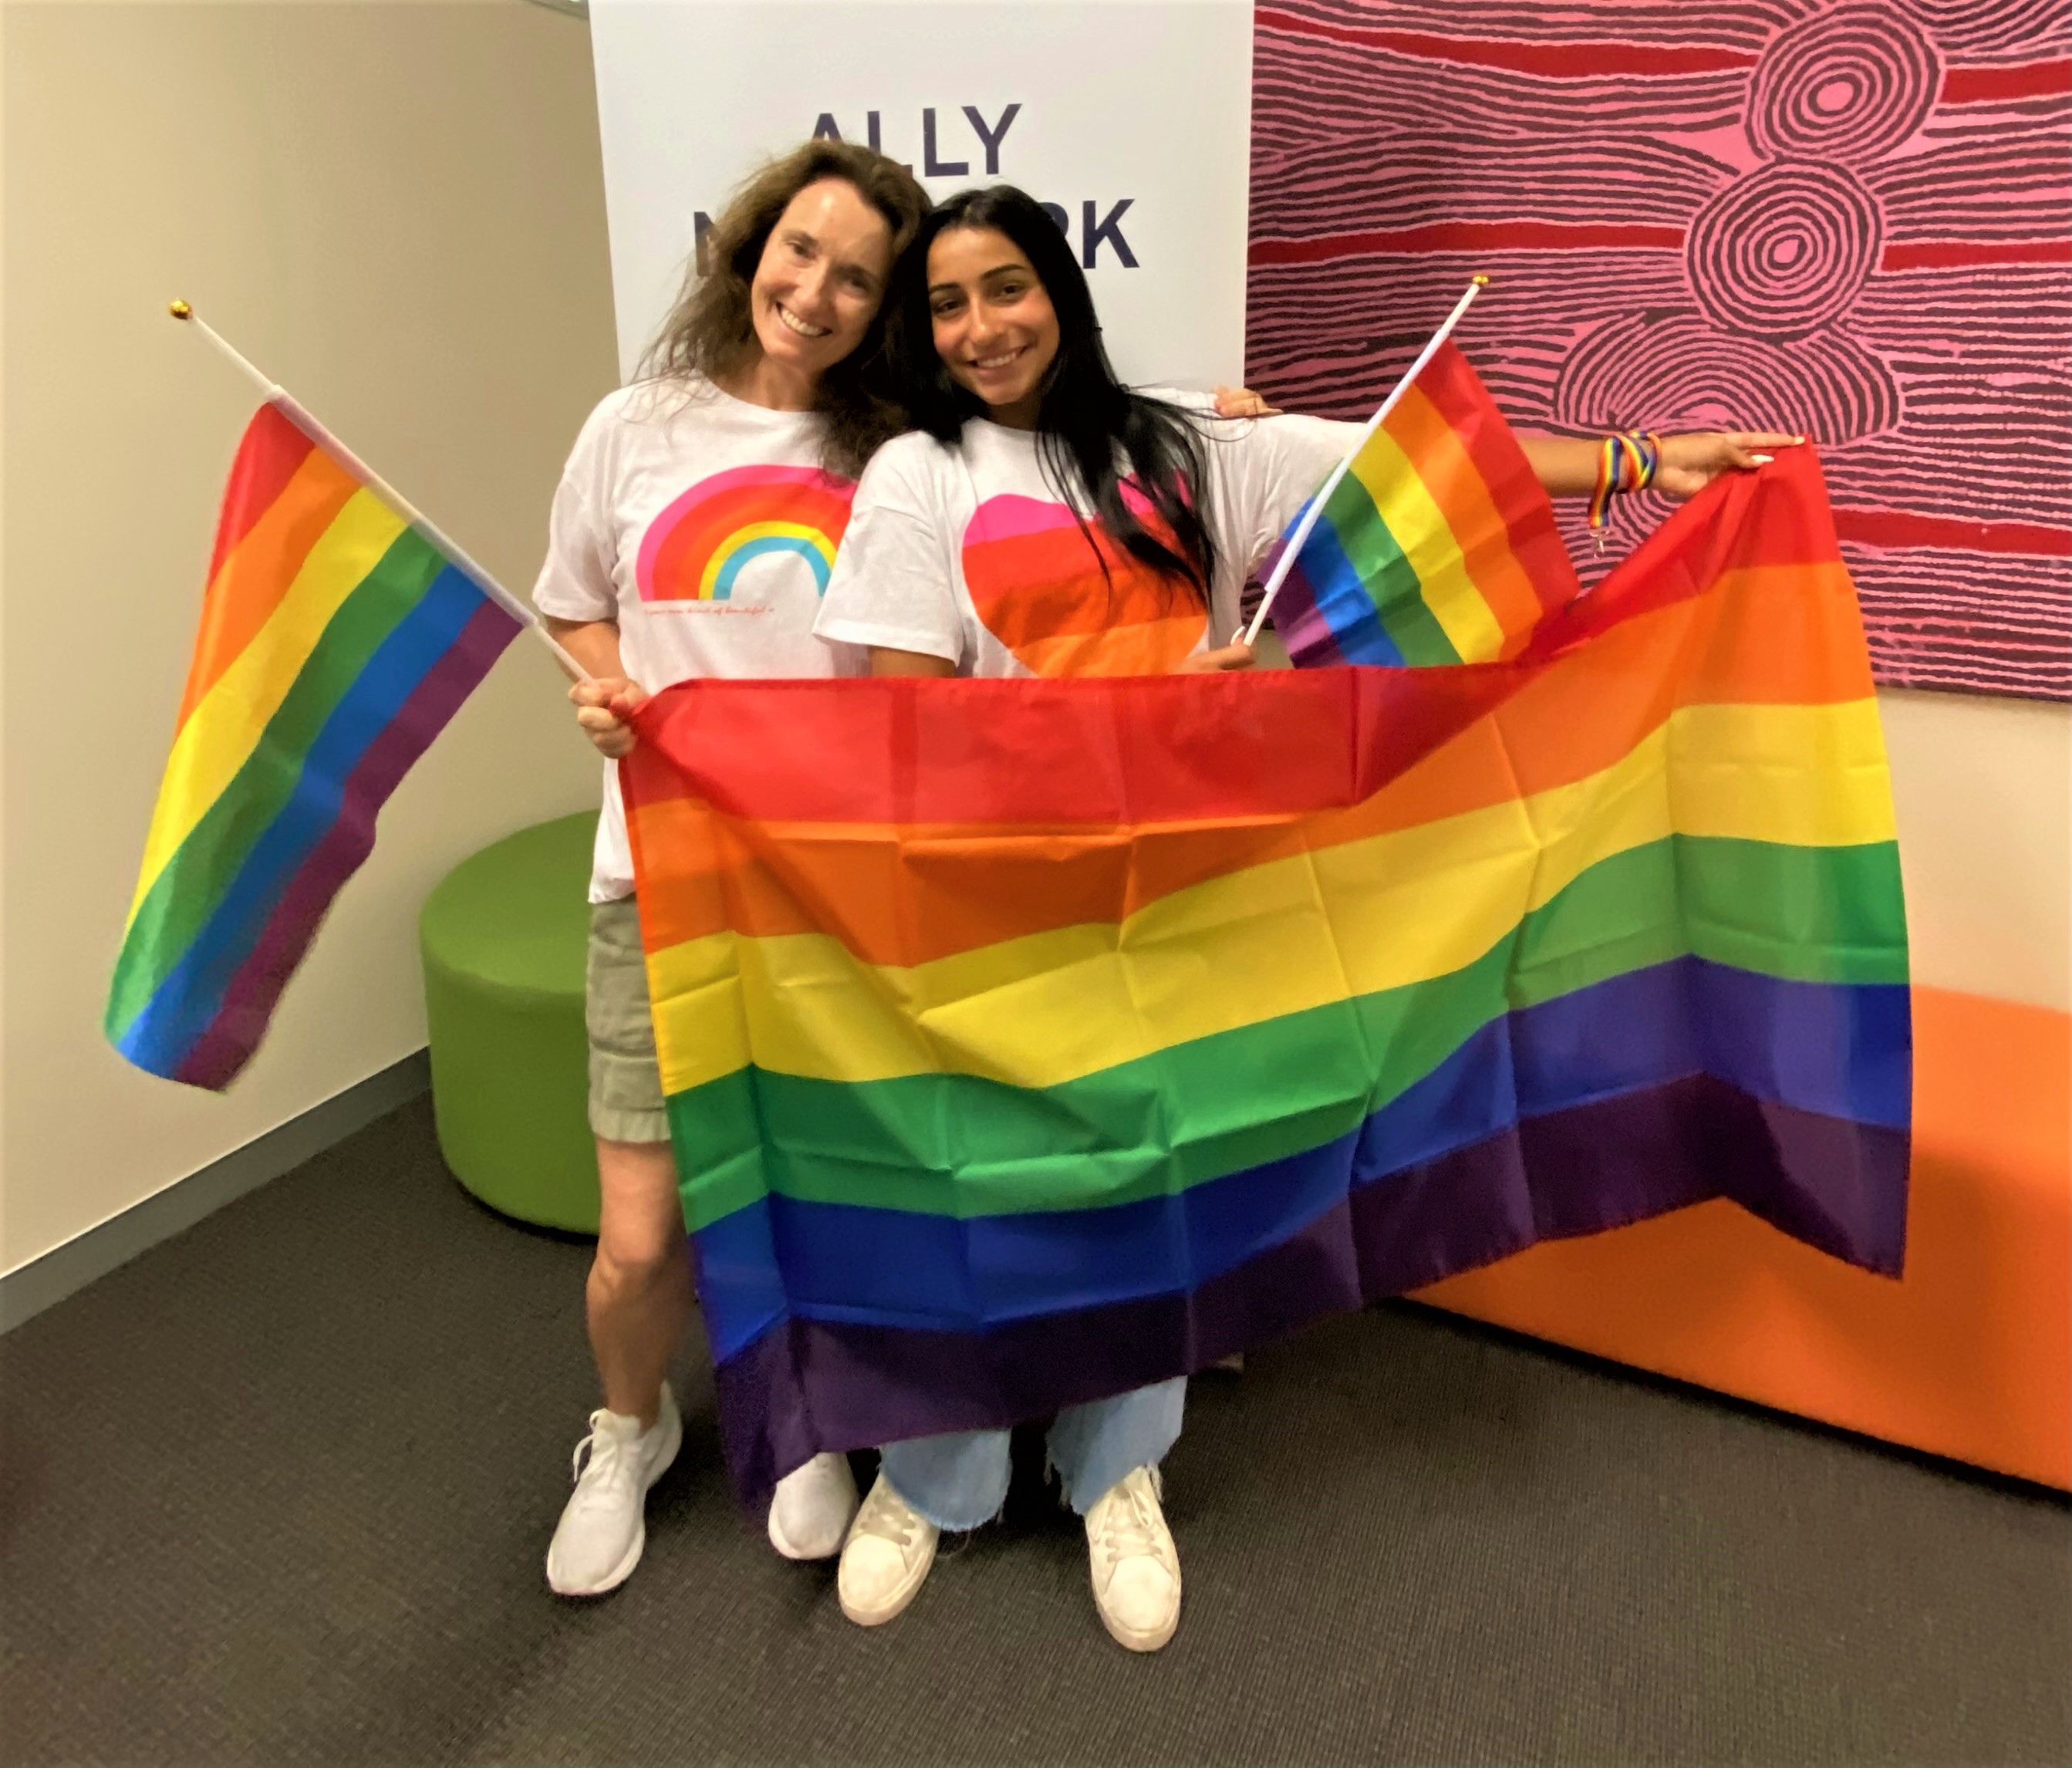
x=1045 y=520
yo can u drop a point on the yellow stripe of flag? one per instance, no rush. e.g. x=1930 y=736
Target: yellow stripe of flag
x=1478 y=526
x=1271 y=939
x=1421 y=528
x=221 y=732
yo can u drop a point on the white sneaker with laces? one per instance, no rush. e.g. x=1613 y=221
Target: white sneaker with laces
x=602 y=1530
x=889 y=1548
x=811 y=1508
x=1136 y=1570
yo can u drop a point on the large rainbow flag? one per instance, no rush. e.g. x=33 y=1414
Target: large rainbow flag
x=1027 y=1041
x=336 y=641
x=1437 y=546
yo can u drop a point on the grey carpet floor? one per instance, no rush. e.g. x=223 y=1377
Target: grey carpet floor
x=278 y=1491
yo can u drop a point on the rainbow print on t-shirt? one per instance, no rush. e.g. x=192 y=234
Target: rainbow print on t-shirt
x=1039 y=588
x=694 y=550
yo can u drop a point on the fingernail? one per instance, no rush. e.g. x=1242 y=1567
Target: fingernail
x=1762 y=460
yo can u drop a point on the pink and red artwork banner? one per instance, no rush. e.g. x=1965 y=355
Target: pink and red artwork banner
x=1854 y=219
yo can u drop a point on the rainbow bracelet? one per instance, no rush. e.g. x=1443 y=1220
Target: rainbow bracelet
x=1627 y=461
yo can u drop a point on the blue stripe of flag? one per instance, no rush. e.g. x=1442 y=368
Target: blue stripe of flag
x=191 y=995
x=1842 y=1050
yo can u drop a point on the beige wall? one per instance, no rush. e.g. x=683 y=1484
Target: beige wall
x=398 y=210
x=1983 y=792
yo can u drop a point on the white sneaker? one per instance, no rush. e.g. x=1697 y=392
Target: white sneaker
x=889 y=1548
x=810 y=1510
x=1136 y=1570
x=598 y=1539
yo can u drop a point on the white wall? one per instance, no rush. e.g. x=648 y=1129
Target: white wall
x=398 y=210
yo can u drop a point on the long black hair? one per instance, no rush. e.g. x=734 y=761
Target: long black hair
x=1089 y=426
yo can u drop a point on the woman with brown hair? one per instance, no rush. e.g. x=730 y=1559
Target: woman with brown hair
x=692 y=535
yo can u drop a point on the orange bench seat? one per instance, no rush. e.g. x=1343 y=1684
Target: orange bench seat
x=1968 y=1355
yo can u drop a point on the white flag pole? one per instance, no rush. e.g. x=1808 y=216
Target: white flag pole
x=277 y=395
x=1286 y=562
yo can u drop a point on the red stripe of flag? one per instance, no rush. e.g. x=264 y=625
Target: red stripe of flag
x=272 y=452
x=1450 y=382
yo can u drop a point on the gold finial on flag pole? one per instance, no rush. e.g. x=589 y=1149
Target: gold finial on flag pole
x=1481 y=280
x=182 y=311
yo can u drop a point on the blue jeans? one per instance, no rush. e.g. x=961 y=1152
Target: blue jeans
x=960 y=1480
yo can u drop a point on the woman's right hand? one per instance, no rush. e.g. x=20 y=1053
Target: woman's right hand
x=604 y=705
x=1240 y=655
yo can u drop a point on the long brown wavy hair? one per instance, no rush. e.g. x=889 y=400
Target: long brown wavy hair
x=711 y=330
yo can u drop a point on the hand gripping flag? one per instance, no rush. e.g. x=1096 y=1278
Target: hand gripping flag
x=336 y=641
x=1436 y=546
x=1028 y=1041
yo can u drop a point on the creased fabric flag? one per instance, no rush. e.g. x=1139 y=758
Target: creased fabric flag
x=336 y=641
x=1437 y=546
x=1028 y=1041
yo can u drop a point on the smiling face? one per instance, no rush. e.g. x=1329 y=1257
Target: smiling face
x=995 y=328
x=820 y=279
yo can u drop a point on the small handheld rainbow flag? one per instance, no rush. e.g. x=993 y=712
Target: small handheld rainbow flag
x=1437 y=545
x=336 y=641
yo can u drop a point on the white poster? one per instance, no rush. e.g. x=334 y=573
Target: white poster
x=1131 y=118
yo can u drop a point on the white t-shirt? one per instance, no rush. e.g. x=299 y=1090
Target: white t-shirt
x=966 y=553
x=706 y=527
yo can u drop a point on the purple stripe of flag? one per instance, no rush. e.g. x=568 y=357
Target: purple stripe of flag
x=809 y=1385
x=1304 y=631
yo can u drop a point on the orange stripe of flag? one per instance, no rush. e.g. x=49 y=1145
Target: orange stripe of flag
x=268 y=453
x=1451 y=385
x=256 y=572
x=1457 y=485
x=1778 y=642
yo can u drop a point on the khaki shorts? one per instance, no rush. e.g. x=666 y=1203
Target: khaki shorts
x=625 y=1081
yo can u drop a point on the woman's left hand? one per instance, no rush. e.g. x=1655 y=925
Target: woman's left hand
x=1242 y=402
x=1237 y=655
x=1689 y=463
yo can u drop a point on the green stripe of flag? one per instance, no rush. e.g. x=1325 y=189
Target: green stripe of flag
x=186 y=891
x=1263 y=1093
x=1398 y=592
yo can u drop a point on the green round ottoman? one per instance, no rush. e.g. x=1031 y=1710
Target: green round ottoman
x=503 y=939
